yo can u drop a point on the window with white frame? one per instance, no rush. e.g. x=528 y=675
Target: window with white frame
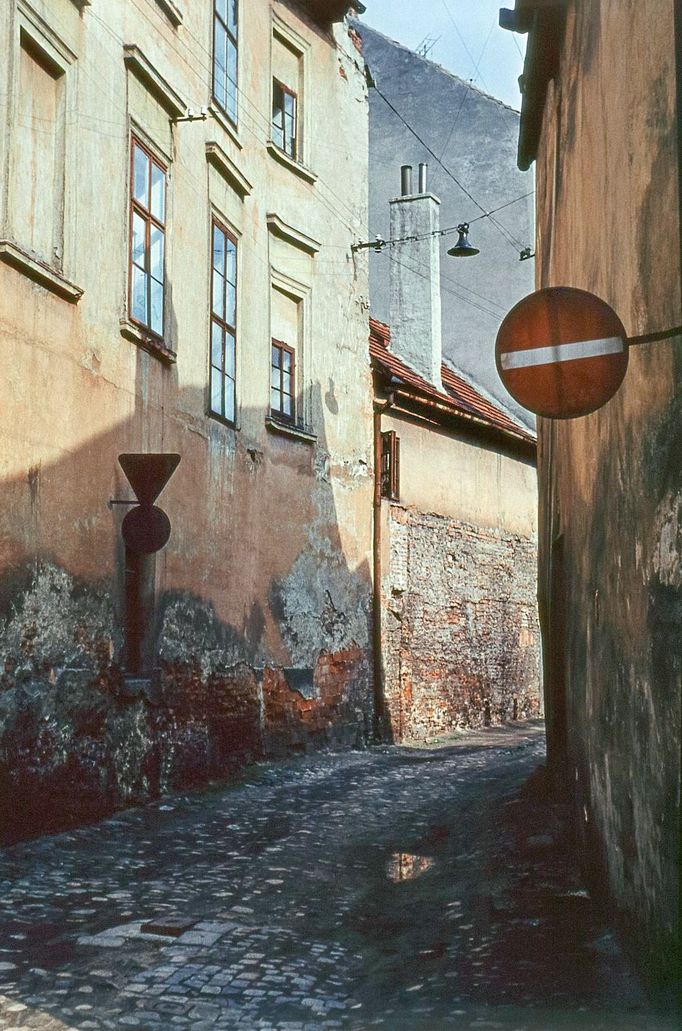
x=223 y=322
x=225 y=18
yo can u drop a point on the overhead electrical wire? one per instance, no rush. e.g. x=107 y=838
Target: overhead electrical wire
x=199 y=188
x=379 y=242
x=515 y=243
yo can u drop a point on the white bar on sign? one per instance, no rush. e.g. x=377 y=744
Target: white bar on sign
x=561 y=353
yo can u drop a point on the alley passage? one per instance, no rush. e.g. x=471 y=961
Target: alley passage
x=399 y=888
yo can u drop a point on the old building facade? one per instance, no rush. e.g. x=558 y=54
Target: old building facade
x=177 y=209
x=455 y=514
x=601 y=118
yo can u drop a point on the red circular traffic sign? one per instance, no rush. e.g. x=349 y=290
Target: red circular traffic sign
x=562 y=352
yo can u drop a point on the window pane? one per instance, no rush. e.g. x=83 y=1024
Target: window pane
x=140 y=176
x=216 y=391
x=290 y=105
x=221 y=9
x=229 y=399
x=156 y=323
x=220 y=65
x=274 y=399
x=156 y=242
x=216 y=345
x=231 y=261
x=218 y=295
x=286 y=405
x=229 y=355
x=286 y=383
x=232 y=16
x=158 y=193
x=231 y=105
x=218 y=249
x=276 y=356
x=138 y=240
x=231 y=305
x=138 y=298
x=286 y=361
x=277 y=115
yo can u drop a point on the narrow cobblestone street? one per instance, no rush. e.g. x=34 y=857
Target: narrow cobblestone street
x=398 y=887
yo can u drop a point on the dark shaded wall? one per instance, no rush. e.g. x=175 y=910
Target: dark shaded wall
x=475 y=137
x=611 y=483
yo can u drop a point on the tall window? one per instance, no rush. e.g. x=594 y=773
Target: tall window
x=223 y=323
x=147 y=239
x=284 y=103
x=225 y=56
x=390 y=465
x=282 y=380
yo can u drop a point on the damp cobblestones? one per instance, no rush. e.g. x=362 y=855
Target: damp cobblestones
x=399 y=888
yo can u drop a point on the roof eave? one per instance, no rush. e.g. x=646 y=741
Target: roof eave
x=450 y=412
x=326 y=12
x=543 y=21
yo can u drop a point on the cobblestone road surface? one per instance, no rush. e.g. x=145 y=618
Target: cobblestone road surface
x=401 y=888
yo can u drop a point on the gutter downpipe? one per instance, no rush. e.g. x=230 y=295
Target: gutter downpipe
x=677 y=15
x=380 y=726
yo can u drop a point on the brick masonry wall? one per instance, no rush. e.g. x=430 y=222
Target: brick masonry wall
x=460 y=629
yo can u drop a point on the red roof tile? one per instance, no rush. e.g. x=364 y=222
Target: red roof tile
x=459 y=396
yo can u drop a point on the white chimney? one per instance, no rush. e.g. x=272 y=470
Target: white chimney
x=414 y=310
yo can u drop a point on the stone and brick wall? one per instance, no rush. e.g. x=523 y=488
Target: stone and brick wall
x=79 y=739
x=460 y=629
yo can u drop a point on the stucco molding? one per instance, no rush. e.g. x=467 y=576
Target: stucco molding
x=131 y=331
x=225 y=123
x=140 y=65
x=293 y=236
x=172 y=11
x=290 y=430
x=81 y=4
x=300 y=170
x=12 y=254
x=224 y=164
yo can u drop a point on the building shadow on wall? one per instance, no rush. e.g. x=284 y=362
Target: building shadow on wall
x=256 y=622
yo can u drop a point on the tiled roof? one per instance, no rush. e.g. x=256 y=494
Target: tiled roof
x=459 y=397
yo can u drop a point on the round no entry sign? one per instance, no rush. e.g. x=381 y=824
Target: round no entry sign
x=562 y=352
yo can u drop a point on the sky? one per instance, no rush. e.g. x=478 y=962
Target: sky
x=466 y=38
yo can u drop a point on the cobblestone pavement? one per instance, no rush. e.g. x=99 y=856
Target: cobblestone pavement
x=399 y=888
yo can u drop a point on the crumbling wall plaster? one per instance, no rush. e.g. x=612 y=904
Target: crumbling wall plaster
x=460 y=629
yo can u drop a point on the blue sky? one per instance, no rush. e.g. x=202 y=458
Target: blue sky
x=469 y=41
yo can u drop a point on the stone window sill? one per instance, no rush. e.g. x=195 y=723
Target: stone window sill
x=147 y=341
x=222 y=120
x=287 y=429
x=294 y=166
x=39 y=272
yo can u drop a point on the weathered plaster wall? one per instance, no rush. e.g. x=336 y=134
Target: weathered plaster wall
x=267 y=572
x=611 y=483
x=459 y=586
x=460 y=626
x=458 y=475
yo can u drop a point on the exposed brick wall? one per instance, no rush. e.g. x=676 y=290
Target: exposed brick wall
x=335 y=715
x=460 y=629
